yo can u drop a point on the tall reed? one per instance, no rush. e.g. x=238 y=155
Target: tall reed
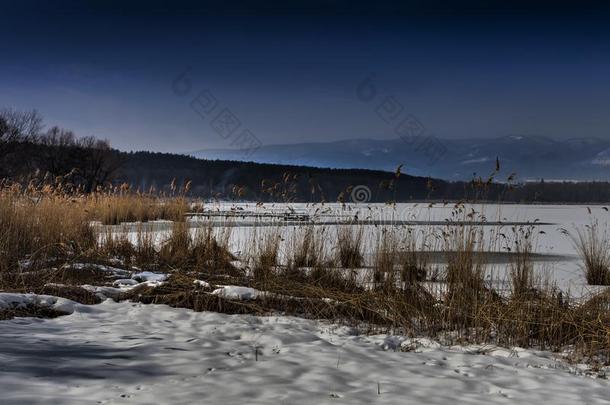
x=593 y=245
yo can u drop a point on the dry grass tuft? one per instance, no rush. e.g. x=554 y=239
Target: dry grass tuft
x=413 y=259
x=123 y=205
x=349 y=247
x=306 y=248
x=593 y=245
x=46 y=231
x=521 y=267
x=384 y=272
x=265 y=259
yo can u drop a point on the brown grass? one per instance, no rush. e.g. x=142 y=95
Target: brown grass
x=122 y=205
x=413 y=258
x=593 y=244
x=45 y=231
x=384 y=272
x=306 y=248
x=521 y=268
x=349 y=247
x=265 y=259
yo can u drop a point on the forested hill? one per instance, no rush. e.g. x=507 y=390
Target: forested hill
x=91 y=164
x=270 y=182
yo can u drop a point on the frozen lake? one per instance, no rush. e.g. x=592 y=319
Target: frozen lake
x=556 y=257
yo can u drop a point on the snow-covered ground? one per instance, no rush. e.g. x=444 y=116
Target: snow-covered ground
x=19 y=301
x=126 y=353
x=150 y=354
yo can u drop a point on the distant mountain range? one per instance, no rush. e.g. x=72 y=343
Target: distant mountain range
x=530 y=157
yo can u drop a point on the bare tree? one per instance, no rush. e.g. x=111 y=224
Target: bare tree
x=58 y=156
x=19 y=126
x=87 y=162
x=99 y=164
x=57 y=136
x=16 y=128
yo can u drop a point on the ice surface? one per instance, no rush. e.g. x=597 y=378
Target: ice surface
x=549 y=220
x=550 y=238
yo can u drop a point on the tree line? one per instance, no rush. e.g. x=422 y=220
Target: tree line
x=26 y=151
x=29 y=152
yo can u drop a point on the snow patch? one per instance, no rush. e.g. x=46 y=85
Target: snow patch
x=202 y=283
x=125 y=282
x=237 y=292
x=150 y=276
x=18 y=301
x=108 y=269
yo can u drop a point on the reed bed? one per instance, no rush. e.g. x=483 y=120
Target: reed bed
x=116 y=208
x=46 y=232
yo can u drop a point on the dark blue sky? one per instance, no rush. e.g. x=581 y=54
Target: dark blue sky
x=289 y=73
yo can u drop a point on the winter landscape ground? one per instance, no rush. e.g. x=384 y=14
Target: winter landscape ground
x=129 y=353
x=298 y=303
x=304 y=202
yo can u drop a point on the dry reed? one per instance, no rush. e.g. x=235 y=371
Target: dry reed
x=593 y=245
x=46 y=230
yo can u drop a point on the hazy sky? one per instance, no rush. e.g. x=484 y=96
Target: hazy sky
x=290 y=74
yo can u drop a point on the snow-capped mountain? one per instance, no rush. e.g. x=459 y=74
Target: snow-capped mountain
x=530 y=157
